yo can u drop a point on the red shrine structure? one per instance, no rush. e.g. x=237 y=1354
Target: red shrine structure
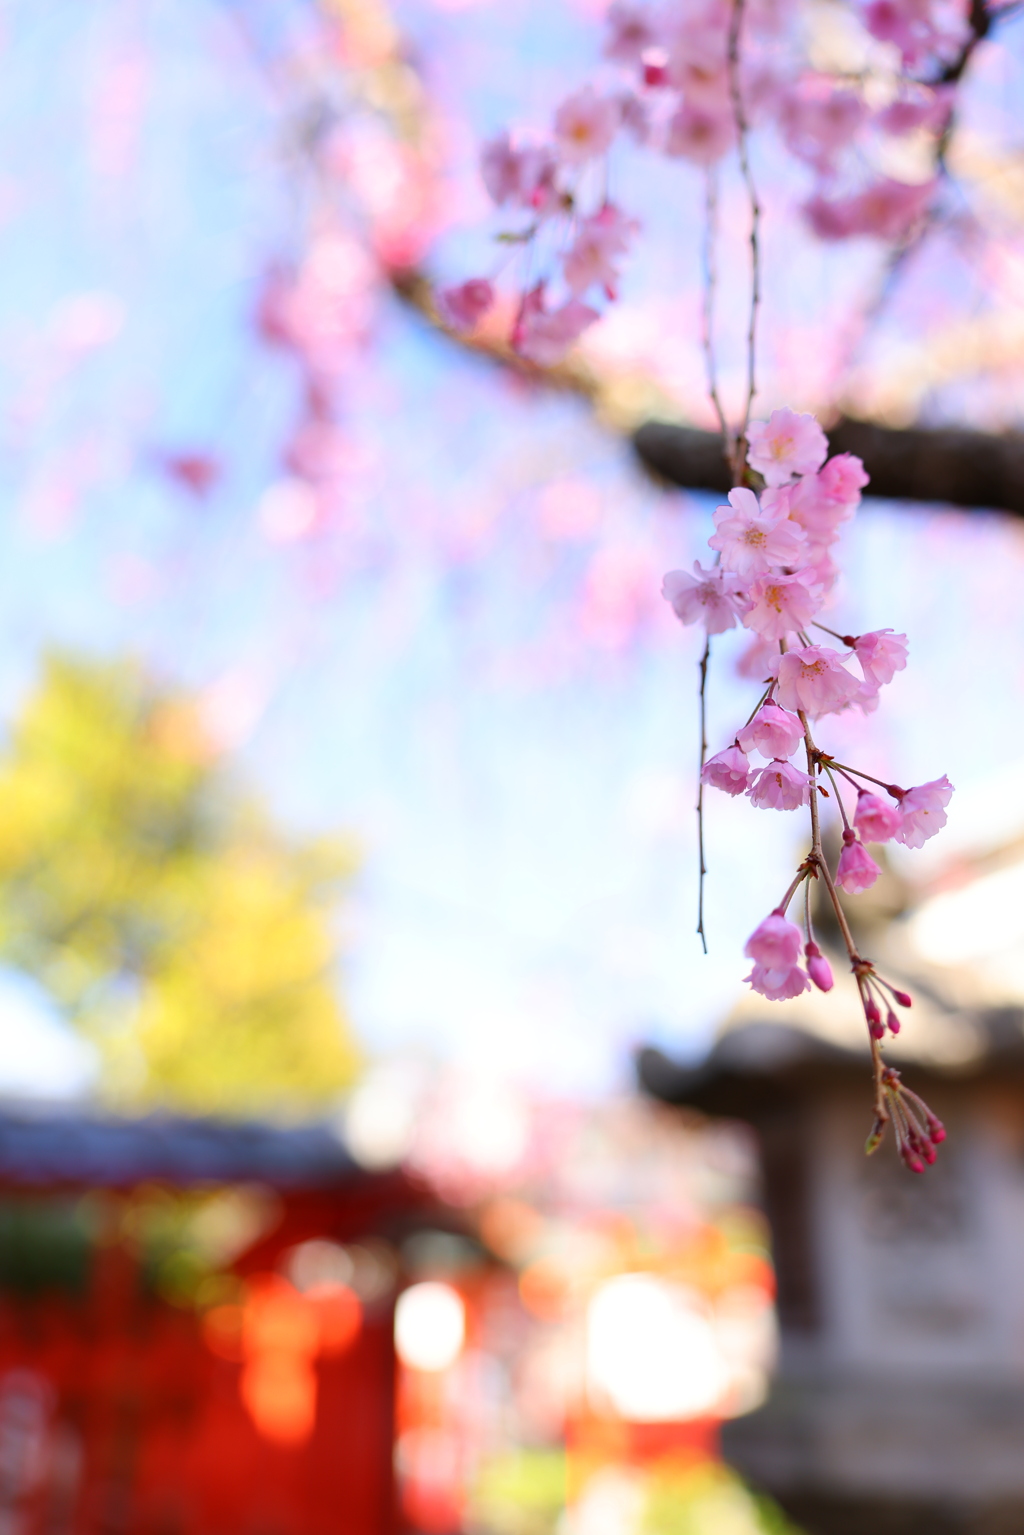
x=196 y=1328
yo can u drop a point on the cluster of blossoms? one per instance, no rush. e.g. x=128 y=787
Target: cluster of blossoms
x=773 y=574
x=689 y=83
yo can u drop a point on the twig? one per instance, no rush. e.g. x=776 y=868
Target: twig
x=700 y=793
x=742 y=130
x=980 y=20
x=817 y=858
x=708 y=308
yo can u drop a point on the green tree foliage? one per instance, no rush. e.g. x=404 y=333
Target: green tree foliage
x=166 y=915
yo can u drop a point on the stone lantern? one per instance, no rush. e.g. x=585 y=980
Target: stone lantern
x=898 y=1402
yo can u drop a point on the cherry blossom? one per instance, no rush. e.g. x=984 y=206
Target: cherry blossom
x=917 y=27
x=772 y=732
x=818 y=120
x=758 y=660
x=881 y=653
x=778 y=985
x=631 y=32
x=591 y=260
x=585 y=125
x=781 y=605
x=814 y=679
x=544 y=336
x=694 y=86
x=841 y=480
x=523 y=177
x=780 y=786
x=876 y=819
x=701 y=134
x=775 y=943
x=752 y=539
x=924 y=811
x=857 y=869
x=926 y=109
x=464 y=306
x=729 y=770
x=885 y=210
x=785 y=445
x=711 y=596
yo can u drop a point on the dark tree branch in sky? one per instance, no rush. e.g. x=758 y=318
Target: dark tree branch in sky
x=950 y=464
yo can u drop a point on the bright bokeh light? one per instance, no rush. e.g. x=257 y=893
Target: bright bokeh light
x=652 y=1355
x=430 y=1326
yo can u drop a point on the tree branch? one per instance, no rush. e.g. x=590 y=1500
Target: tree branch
x=950 y=465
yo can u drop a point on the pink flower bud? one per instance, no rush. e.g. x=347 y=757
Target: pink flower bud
x=857 y=869
x=876 y=820
x=892 y=1023
x=818 y=968
x=936 y=1129
x=876 y=1028
x=903 y=997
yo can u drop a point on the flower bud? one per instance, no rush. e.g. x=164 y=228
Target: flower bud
x=892 y=1023
x=818 y=968
x=903 y=997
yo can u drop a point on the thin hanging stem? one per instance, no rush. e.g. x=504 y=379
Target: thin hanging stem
x=710 y=266
x=742 y=134
x=702 y=869
x=839 y=798
x=860 y=967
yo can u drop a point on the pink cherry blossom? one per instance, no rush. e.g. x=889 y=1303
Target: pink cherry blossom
x=710 y=596
x=775 y=942
x=728 y=770
x=887 y=210
x=772 y=732
x=857 y=869
x=751 y=539
x=523 y=176
x=876 y=819
x=817 y=120
x=544 y=336
x=818 y=968
x=928 y=109
x=785 y=445
x=814 y=679
x=462 y=307
x=924 y=811
x=778 y=985
x=842 y=479
x=881 y=653
x=585 y=125
x=919 y=28
x=821 y=502
x=780 y=786
x=780 y=605
x=702 y=134
x=757 y=660
x=591 y=259
x=631 y=32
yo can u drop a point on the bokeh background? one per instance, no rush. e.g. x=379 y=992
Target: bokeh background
x=347 y=778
